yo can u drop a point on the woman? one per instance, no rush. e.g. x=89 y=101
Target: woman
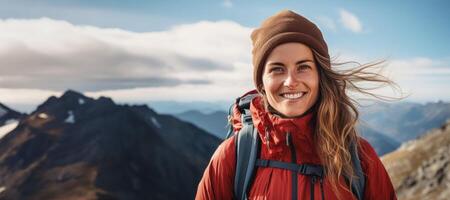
x=303 y=115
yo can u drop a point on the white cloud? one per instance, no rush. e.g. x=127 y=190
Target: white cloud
x=39 y=57
x=350 y=21
x=227 y=3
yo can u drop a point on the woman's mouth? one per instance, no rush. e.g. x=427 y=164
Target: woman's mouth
x=293 y=96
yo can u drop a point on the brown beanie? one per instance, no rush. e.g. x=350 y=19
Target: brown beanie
x=284 y=27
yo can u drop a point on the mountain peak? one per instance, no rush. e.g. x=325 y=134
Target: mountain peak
x=72 y=94
x=70 y=100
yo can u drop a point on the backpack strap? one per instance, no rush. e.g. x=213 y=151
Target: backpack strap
x=304 y=169
x=358 y=184
x=247 y=147
x=242 y=103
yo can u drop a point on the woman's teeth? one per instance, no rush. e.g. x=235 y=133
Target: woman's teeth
x=293 y=95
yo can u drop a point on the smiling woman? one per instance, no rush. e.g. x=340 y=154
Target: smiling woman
x=303 y=119
x=291 y=79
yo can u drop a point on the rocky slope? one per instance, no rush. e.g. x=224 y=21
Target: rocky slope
x=420 y=169
x=75 y=147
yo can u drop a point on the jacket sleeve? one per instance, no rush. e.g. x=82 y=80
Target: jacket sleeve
x=218 y=179
x=378 y=184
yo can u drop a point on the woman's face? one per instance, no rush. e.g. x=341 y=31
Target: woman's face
x=290 y=79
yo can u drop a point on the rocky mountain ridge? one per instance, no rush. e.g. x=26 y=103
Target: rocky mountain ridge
x=76 y=147
x=420 y=169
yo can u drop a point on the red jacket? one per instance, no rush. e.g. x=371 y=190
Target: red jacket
x=273 y=183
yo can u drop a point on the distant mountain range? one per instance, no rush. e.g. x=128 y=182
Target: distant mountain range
x=174 y=107
x=420 y=169
x=384 y=125
x=405 y=121
x=75 y=147
x=215 y=123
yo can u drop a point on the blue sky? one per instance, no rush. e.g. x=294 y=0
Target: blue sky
x=412 y=36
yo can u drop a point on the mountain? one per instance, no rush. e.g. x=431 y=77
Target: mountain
x=75 y=147
x=420 y=169
x=175 y=107
x=215 y=123
x=8 y=114
x=380 y=142
x=405 y=121
x=9 y=119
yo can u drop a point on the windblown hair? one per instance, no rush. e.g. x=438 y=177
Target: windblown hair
x=337 y=114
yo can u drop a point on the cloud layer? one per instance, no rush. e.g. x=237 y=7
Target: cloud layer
x=200 y=61
x=56 y=55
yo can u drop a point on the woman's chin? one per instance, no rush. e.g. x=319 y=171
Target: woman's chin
x=295 y=113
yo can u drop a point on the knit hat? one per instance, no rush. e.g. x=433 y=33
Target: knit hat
x=283 y=27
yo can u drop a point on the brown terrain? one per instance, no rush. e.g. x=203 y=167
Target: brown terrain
x=420 y=168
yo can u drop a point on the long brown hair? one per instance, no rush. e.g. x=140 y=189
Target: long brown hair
x=337 y=113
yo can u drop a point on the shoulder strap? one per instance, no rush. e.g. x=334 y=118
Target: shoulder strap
x=247 y=146
x=358 y=184
x=242 y=104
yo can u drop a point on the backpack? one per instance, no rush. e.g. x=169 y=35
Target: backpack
x=248 y=145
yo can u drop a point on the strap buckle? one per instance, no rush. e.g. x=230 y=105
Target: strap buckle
x=301 y=169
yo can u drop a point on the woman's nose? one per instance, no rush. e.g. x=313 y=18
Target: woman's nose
x=291 y=80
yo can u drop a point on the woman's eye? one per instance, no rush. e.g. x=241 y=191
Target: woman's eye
x=276 y=69
x=304 y=67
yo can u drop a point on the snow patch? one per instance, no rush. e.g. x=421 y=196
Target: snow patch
x=43 y=115
x=81 y=101
x=155 y=122
x=9 y=121
x=2 y=189
x=71 y=118
x=8 y=127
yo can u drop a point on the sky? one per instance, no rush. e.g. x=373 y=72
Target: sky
x=142 y=51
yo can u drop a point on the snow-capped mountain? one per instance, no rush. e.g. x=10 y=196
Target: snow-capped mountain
x=76 y=147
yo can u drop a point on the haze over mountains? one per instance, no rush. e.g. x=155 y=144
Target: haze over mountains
x=384 y=125
x=406 y=121
x=75 y=147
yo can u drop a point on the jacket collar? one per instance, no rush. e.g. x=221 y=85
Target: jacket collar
x=273 y=129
